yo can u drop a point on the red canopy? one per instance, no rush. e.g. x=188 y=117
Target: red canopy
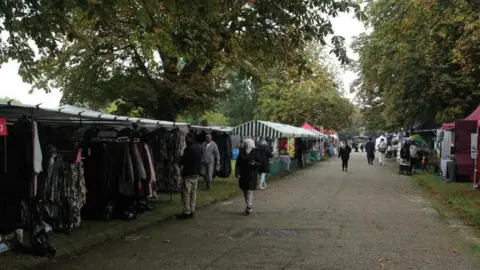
x=448 y=126
x=474 y=116
x=309 y=127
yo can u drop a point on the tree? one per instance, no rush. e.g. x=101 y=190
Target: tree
x=421 y=62
x=161 y=56
x=214 y=119
x=242 y=97
x=312 y=97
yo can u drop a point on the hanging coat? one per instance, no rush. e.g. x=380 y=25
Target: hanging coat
x=224 y=145
x=246 y=169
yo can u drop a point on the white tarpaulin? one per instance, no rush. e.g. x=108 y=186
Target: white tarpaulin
x=446 y=150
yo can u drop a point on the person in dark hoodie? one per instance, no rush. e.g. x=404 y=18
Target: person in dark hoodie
x=344 y=154
x=191 y=163
x=370 y=149
x=265 y=155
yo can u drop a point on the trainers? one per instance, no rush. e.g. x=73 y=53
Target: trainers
x=183 y=216
x=248 y=210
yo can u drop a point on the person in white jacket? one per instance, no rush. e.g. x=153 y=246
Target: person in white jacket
x=382 y=149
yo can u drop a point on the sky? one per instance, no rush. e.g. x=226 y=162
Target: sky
x=13 y=86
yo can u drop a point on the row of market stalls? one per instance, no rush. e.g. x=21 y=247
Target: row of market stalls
x=61 y=166
x=293 y=147
x=454 y=148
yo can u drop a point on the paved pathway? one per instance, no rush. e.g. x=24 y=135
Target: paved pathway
x=318 y=218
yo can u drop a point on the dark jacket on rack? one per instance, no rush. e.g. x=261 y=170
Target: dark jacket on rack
x=246 y=169
x=191 y=160
x=224 y=144
x=265 y=155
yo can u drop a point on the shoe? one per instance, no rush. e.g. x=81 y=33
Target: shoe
x=260 y=187
x=346 y=169
x=343 y=169
x=265 y=186
x=192 y=214
x=184 y=216
x=248 y=210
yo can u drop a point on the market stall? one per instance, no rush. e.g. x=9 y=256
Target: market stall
x=317 y=149
x=60 y=166
x=221 y=136
x=463 y=148
x=284 y=139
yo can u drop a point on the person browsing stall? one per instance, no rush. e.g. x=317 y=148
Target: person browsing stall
x=265 y=155
x=210 y=160
x=191 y=162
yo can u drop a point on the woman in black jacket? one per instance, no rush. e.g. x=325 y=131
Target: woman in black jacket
x=344 y=153
x=246 y=171
x=265 y=155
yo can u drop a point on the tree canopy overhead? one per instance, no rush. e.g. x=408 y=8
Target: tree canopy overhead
x=314 y=97
x=421 y=62
x=162 y=57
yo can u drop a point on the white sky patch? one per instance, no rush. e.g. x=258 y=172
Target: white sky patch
x=13 y=86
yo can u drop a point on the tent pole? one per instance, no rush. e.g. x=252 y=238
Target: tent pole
x=475 y=178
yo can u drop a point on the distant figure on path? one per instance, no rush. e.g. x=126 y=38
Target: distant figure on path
x=246 y=171
x=361 y=147
x=210 y=160
x=344 y=154
x=413 y=157
x=370 y=149
x=191 y=163
x=382 y=148
x=265 y=155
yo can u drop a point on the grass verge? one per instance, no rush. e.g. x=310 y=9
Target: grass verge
x=460 y=198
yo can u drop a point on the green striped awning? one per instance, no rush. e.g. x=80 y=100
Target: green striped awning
x=257 y=128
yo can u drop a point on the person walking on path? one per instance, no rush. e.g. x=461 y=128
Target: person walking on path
x=265 y=155
x=370 y=149
x=191 y=162
x=382 y=149
x=246 y=171
x=210 y=160
x=344 y=154
x=413 y=157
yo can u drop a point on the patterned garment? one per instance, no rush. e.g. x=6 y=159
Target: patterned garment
x=64 y=192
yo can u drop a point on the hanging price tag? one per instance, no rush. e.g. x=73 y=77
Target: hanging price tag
x=3 y=127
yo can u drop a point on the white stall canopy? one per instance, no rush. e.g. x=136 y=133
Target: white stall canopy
x=72 y=114
x=211 y=128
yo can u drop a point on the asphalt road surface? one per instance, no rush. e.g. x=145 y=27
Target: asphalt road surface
x=318 y=218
